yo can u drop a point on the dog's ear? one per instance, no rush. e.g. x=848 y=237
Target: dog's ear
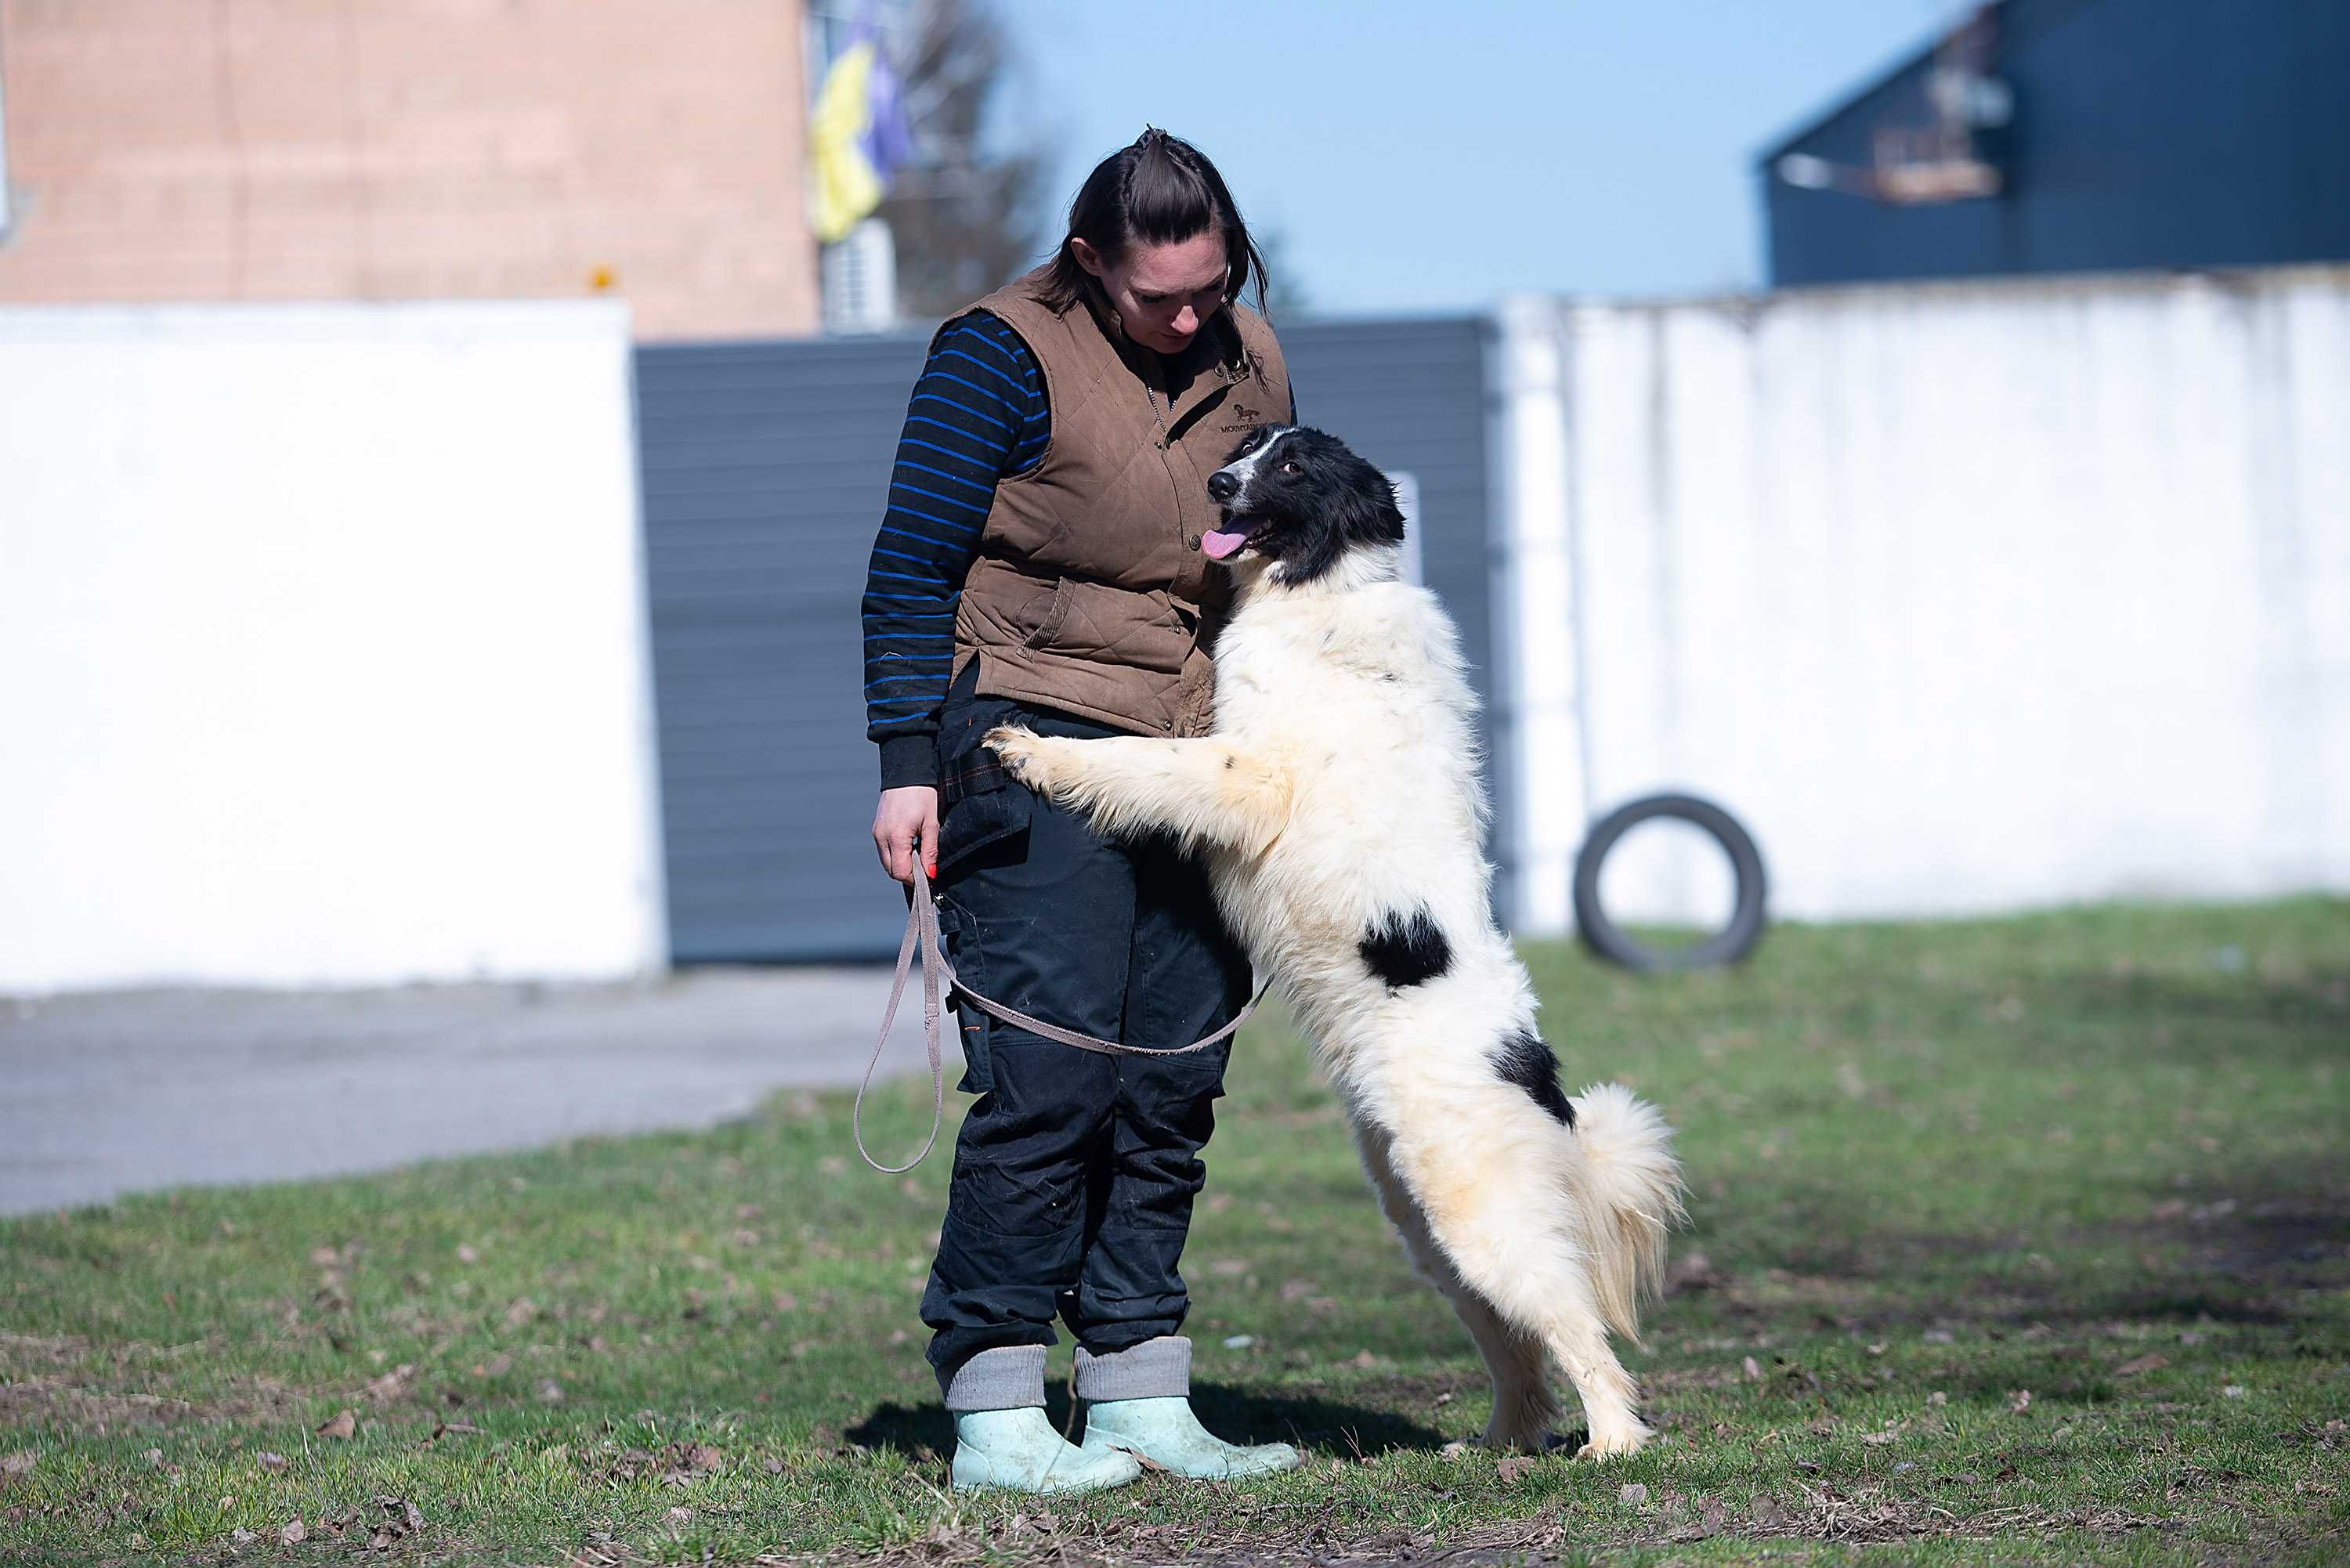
x=1366 y=509
x=1356 y=507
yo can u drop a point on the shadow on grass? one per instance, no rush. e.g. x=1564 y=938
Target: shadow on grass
x=2275 y=1231
x=2271 y=1023
x=2063 y=1317
x=2229 y=1258
x=2071 y=1336
x=1239 y=1414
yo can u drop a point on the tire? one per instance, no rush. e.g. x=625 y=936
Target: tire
x=1732 y=944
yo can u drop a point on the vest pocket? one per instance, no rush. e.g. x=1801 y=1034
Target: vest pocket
x=1056 y=611
x=1105 y=624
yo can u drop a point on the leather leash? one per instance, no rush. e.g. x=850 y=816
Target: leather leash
x=922 y=937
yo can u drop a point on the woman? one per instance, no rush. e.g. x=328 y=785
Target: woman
x=1040 y=562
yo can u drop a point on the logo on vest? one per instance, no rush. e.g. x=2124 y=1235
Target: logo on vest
x=1249 y=418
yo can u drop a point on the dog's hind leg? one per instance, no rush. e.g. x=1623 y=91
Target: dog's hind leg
x=1527 y=1265
x=1205 y=791
x=1579 y=1340
x=1523 y=1409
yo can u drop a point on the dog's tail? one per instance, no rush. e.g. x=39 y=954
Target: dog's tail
x=1631 y=1193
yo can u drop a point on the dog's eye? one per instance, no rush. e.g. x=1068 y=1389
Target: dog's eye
x=1289 y=468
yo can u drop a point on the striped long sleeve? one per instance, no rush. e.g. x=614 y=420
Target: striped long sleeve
x=978 y=413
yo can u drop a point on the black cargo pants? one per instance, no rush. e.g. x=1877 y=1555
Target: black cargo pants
x=1074 y=1173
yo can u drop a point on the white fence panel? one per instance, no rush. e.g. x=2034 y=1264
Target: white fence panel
x=1966 y=598
x=322 y=647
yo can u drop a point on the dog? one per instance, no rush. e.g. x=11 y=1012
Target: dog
x=1337 y=803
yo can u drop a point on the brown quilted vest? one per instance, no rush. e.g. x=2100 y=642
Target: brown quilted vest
x=1090 y=594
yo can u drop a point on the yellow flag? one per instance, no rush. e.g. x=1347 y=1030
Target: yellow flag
x=848 y=186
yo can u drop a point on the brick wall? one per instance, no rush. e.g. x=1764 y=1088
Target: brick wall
x=215 y=150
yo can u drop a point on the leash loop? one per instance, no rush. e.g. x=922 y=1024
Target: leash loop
x=922 y=937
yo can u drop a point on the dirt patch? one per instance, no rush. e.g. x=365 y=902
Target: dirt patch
x=1657 y=1380
x=75 y=1406
x=30 y=1352
x=71 y=1382
x=1287 y=1535
x=1865 y=1516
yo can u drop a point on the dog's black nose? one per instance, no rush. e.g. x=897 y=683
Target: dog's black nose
x=1222 y=485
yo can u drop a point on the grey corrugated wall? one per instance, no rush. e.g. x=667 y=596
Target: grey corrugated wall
x=764 y=470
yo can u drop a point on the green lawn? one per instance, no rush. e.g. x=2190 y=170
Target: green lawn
x=2025 y=1241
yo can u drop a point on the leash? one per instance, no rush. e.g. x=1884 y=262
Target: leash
x=922 y=937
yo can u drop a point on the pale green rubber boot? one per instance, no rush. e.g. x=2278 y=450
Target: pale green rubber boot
x=1019 y=1451
x=1163 y=1430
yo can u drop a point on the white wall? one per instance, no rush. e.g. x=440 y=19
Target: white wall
x=322 y=647
x=1965 y=597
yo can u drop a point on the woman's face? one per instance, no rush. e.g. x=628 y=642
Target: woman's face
x=1163 y=294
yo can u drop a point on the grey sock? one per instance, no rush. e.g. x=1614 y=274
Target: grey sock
x=1150 y=1370
x=1009 y=1377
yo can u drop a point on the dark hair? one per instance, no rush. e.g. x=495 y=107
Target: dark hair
x=1160 y=191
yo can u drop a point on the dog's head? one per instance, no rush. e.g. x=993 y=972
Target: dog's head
x=1301 y=501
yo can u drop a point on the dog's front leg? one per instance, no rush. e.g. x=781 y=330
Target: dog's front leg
x=1205 y=791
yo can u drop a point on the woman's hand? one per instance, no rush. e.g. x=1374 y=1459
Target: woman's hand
x=905 y=823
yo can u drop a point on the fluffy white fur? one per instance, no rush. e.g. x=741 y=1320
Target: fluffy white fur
x=1340 y=782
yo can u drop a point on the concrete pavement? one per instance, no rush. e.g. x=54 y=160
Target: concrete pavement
x=119 y=1092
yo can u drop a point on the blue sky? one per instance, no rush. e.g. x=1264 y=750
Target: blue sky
x=1435 y=157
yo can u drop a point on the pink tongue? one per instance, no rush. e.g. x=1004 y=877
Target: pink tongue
x=1219 y=543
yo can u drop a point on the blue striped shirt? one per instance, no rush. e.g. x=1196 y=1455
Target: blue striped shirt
x=978 y=414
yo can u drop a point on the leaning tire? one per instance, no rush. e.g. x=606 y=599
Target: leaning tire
x=1734 y=942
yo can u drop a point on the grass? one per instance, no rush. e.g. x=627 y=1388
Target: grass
x=2097 y=1157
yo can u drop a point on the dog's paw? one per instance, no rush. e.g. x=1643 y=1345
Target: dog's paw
x=1614 y=1444
x=1024 y=754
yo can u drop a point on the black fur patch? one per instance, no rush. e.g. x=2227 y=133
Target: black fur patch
x=1405 y=950
x=1526 y=1062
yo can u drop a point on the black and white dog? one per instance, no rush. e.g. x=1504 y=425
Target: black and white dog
x=1338 y=805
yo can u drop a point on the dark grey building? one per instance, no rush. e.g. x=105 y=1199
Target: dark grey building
x=2079 y=135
